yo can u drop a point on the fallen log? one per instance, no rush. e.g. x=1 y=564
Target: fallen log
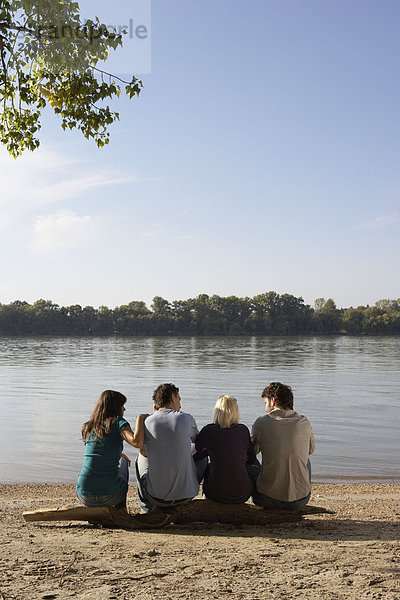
x=104 y=515
x=204 y=511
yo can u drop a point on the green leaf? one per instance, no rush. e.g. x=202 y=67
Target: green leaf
x=55 y=65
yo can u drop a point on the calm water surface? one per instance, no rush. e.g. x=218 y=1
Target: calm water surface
x=348 y=387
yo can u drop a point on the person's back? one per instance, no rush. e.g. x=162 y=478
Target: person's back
x=165 y=470
x=100 y=470
x=229 y=449
x=285 y=440
x=103 y=480
x=167 y=441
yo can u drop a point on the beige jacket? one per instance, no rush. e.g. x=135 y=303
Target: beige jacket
x=285 y=440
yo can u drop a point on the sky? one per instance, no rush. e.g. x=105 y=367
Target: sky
x=262 y=154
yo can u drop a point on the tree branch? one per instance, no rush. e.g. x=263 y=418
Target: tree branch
x=109 y=74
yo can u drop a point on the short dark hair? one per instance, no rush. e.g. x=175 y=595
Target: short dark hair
x=162 y=395
x=281 y=393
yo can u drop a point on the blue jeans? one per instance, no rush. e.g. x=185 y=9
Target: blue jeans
x=267 y=502
x=117 y=500
x=146 y=502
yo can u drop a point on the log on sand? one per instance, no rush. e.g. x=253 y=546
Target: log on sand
x=204 y=511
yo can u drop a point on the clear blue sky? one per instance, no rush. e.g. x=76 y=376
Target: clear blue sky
x=263 y=154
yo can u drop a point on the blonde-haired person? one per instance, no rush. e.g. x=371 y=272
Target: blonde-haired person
x=103 y=480
x=231 y=455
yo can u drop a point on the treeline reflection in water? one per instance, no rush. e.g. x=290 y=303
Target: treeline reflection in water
x=347 y=386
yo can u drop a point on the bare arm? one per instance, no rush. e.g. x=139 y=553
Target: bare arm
x=128 y=460
x=135 y=438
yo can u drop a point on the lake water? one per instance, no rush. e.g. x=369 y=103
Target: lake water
x=348 y=387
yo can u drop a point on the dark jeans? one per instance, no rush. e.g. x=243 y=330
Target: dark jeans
x=253 y=470
x=267 y=502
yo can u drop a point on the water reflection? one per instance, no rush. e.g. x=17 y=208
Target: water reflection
x=348 y=387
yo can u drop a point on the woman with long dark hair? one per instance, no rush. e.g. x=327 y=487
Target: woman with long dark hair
x=229 y=476
x=103 y=480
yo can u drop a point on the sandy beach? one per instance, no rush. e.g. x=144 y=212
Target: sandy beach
x=352 y=554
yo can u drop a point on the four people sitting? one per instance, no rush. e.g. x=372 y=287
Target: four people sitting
x=174 y=457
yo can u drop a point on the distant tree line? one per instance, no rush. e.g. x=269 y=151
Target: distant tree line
x=265 y=314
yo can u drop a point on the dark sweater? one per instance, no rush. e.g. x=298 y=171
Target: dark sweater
x=226 y=479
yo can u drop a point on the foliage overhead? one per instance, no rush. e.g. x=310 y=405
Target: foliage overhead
x=48 y=56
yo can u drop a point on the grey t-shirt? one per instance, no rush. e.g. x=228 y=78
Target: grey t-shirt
x=167 y=439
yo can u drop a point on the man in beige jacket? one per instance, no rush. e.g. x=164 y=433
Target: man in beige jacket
x=285 y=440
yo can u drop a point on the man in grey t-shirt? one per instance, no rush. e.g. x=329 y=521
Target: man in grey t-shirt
x=167 y=474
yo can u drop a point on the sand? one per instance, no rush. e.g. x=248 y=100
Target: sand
x=353 y=554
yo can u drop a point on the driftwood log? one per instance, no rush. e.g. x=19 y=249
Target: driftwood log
x=204 y=511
